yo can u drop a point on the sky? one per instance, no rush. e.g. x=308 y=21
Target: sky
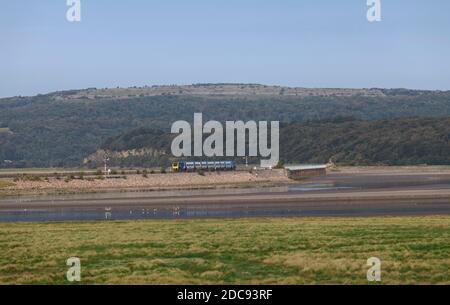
x=304 y=43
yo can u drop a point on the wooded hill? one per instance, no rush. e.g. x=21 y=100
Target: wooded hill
x=63 y=128
x=344 y=141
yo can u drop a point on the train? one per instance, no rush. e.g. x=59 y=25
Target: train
x=193 y=166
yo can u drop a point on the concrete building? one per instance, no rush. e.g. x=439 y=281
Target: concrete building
x=305 y=171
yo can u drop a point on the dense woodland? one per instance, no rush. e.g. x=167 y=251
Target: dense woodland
x=45 y=131
x=343 y=141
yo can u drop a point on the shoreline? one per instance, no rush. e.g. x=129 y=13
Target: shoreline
x=193 y=181
x=317 y=199
x=8 y=194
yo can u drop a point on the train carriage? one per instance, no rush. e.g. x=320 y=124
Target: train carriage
x=192 y=166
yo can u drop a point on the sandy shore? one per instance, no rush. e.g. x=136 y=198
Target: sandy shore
x=366 y=193
x=154 y=181
x=175 y=181
x=394 y=170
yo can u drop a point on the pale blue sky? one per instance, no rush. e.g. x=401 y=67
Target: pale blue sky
x=309 y=43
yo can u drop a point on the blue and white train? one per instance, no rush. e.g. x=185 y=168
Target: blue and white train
x=184 y=166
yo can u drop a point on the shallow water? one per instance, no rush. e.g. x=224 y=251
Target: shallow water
x=173 y=212
x=26 y=208
x=191 y=212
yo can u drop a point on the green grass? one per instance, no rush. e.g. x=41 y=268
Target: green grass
x=413 y=250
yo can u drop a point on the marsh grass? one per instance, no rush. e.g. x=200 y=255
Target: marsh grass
x=413 y=250
x=4 y=184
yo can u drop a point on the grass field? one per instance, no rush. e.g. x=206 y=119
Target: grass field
x=413 y=250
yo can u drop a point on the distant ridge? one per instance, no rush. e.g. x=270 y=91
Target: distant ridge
x=211 y=90
x=226 y=89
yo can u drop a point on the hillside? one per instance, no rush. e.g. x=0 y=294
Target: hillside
x=385 y=142
x=345 y=141
x=63 y=128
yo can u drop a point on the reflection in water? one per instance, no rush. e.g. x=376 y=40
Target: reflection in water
x=109 y=213
x=189 y=212
x=64 y=214
x=175 y=212
x=106 y=210
x=316 y=187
